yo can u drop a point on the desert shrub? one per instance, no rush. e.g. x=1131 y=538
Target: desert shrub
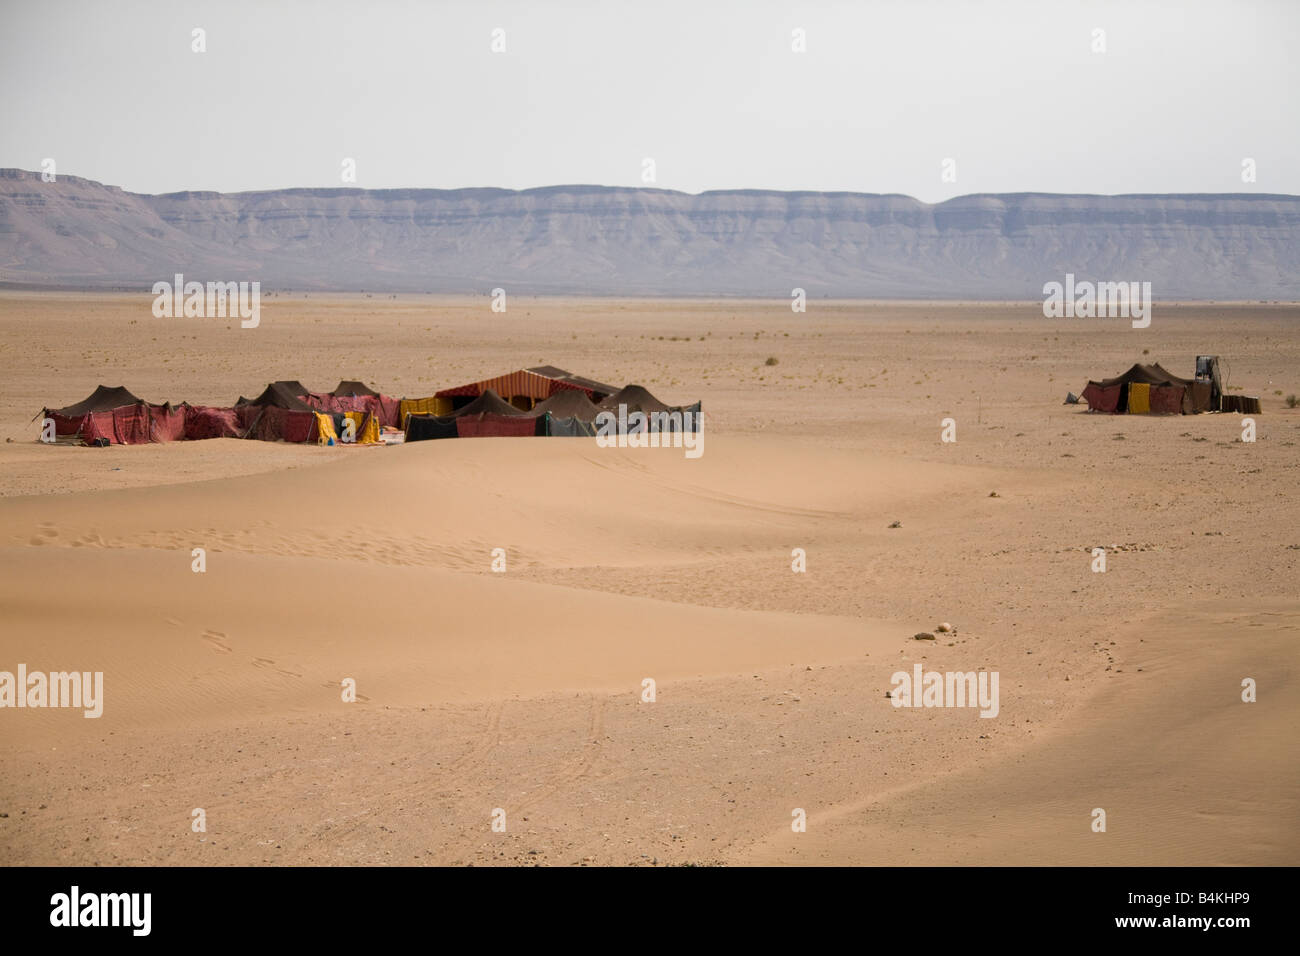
x=1292 y=401
x=771 y=360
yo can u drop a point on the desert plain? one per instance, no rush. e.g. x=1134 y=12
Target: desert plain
x=522 y=691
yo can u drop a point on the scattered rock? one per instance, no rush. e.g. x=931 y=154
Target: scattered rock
x=923 y=636
x=944 y=628
x=994 y=494
x=896 y=524
x=887 y=694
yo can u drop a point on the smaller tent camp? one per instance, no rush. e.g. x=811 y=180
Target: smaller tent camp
x=1148 y=389
x=114 y=415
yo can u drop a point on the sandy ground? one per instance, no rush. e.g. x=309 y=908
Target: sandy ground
x=522 y=690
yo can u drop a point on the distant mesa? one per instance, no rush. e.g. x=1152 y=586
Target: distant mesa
x=80 y=234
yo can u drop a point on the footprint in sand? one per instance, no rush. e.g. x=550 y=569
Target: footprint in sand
x=216 y=639
x=267 y=662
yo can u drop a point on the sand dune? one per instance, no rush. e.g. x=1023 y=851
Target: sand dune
x=261 y=635
x=522 y=690
x=1170 y=751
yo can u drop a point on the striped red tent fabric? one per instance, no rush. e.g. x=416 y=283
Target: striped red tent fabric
x=128 y=425
x=488 y=425
x=131 y=426
x=538 y=383
x=596 y=391
x=522 y=382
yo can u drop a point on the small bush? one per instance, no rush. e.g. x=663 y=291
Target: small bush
x=771 y=360
x=1292 y=401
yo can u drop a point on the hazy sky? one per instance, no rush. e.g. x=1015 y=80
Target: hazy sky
x=711 y=91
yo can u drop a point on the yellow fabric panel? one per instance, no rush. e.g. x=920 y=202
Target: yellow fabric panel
x=1139 y=398
x=368 y=434
x=422 y=406
x=367 y=427
x=325 y=429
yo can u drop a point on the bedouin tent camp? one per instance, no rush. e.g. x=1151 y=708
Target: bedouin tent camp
x=659 y=416
x=1148 y=389
x=115 y=416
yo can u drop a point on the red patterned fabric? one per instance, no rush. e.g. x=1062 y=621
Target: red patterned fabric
x=1167 y=399
x=488 y=425
x=1101 y=399
x=128 y=425
x=390 y=411
x=166 y=424
x=206 y=421
x=67 y=426
x=385 y=409
x=97 y=425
